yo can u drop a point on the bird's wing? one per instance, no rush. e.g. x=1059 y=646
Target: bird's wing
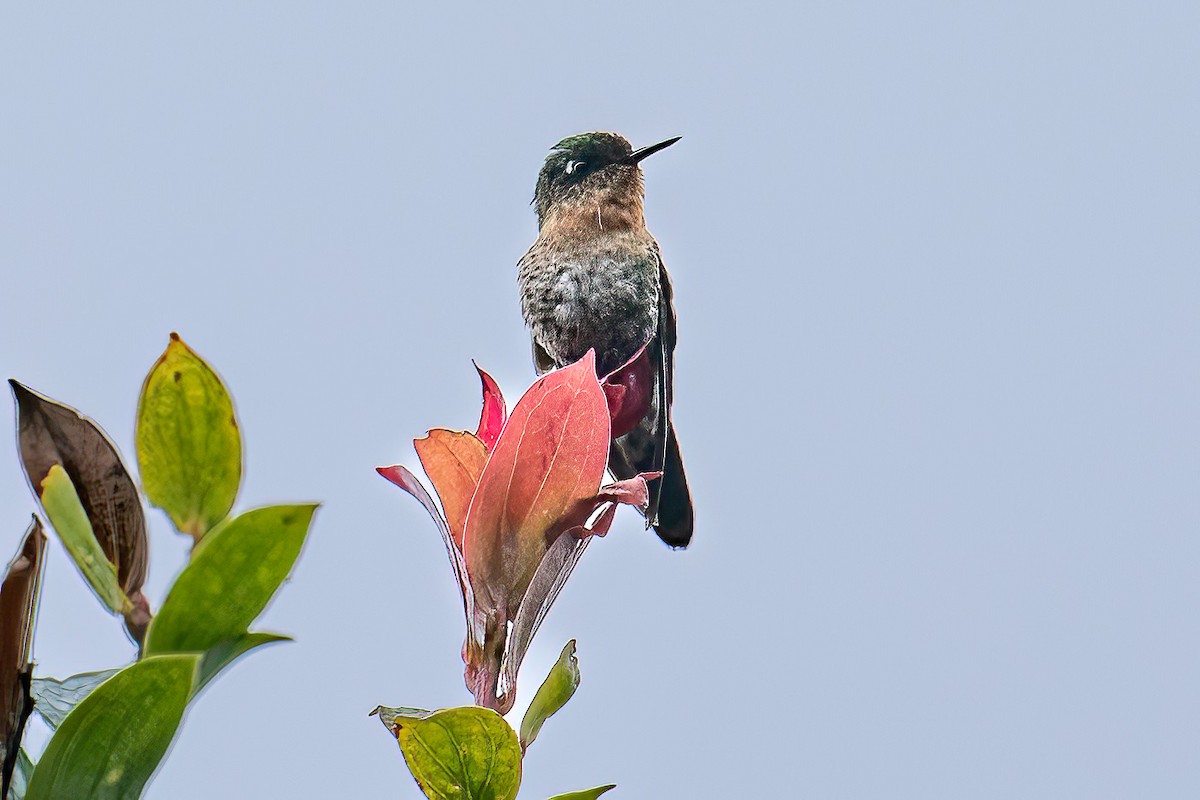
x=666 y=327
x=665 y=379
x=652 y=445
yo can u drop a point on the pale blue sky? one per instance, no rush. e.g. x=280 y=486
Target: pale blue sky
x=937 y=385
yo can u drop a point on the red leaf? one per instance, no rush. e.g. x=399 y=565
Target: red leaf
x=453 y=460
x=550 y=456
x=629 y=390
x=492 y=417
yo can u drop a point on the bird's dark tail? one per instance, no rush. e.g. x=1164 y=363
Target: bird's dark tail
x=670 y=509
x=674 y=507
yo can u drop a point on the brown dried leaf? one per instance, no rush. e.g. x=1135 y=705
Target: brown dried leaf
x=50 y=433
x=18 y=609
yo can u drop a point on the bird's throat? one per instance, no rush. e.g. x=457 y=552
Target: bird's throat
x=596 y=213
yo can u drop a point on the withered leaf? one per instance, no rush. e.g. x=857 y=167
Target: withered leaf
x=51 y=433
x=18 y=608
x=55 y=699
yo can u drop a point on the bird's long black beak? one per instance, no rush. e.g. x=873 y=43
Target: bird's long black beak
x=639 y=154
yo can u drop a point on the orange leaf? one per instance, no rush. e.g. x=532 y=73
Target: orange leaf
x=453 y=460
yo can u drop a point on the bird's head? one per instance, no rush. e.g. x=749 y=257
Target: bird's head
x=588 y=163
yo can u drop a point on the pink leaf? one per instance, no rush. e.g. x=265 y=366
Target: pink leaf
x=550 y=456
x=631 y=491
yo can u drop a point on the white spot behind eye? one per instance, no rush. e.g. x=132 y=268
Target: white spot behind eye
x=572 y=166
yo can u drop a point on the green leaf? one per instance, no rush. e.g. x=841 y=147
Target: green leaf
x=458 y=753
x=234 y=572
x=70 y=520
x=585 y=794
x=225 y=653
x=53 y=699
x=189 y=449
x=552 y=695
x=110 y=745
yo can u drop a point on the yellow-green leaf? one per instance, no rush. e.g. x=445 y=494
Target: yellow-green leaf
x=552 y=695
x=467 y=753
x=234 y=572
x=189 y=448
x=66 y=514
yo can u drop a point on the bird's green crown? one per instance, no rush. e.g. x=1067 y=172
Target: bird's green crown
x=596 y=150
x=575 y=159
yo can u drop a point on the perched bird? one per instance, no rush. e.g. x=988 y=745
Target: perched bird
x=594 y=279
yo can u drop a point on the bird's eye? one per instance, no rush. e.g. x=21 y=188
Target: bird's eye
x=572 y=166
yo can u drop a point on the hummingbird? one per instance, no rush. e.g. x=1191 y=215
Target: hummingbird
x=595 y=280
